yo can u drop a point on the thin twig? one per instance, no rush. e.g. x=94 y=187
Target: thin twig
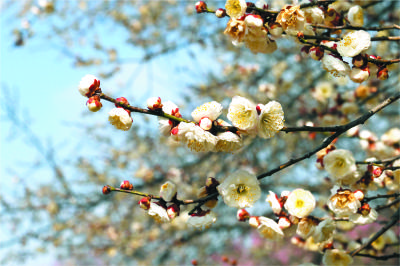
x=384 y=257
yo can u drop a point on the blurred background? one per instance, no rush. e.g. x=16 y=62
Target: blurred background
x=56 y=156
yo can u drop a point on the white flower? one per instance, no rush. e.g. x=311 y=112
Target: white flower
x=168 y=191
x=158 y=213
x=306 y=227
x=120 y=119
x=266 y=227
x=235 y=8
x=391 y=137
x=344 y=203
x=300 y=203
x=336 y=257
x=323 y=91
x=205 y=123
x=271 y=119
x=356 y=16
x=196 y=138
x=324 y=230
x=236 y=29
x=242 y=113
x=228 y=142
x=164 y=124
x=273 y=200
x=264 y=45
x=201 y=222
x=354 y=43
x=314 y=15
x=341 y=166
x=359 y=75
x=359 y=218
x=335 y=65
x=211 y=110
x=240 y=190
x=154 y=103
x=291 y=19
x=88 y=85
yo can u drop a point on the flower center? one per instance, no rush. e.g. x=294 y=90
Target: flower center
x=241 y=188
x=299 y=204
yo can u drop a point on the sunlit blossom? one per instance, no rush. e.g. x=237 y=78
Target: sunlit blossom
x=120 y=119
x=354 y=43
x=300 y=203
x=242 y=113
x=270 y=119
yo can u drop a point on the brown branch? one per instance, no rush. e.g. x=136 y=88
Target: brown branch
x=395 y=219
x=394 y=195
x=382 y=207
x=349 y=27
x=386 y=161
x=325 y=38
x=384 y=257
x=317 y=3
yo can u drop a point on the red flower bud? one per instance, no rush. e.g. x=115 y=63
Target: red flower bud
x=106 y=190
x=201 y=7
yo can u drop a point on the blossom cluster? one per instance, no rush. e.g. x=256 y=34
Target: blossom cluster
x=206 y=133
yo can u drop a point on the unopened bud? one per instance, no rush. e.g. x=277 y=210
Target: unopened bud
x=168 y=191
x=122 y=100
x=254 y=222
x=276 y=30
x=173 y=211
x=194 y=262
x=106 y=190
x=377 y=172
x=259 y=108
x=205 y=123
x=154 y=103
x=242 y=215
x=220 y=13
x=201 y=7
x=94 y=104
x=365 y=209
x=359 y=75
x=89 y=85
x=284 y=222
x=358 y=194
x=144 y=203
x=383 y=73
x=126 y=185
x=316 y=53
x=359 y=60
x=211 y=182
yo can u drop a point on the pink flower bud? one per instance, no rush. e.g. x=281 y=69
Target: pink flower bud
x=126 y=185
x=242 y=215
x=106 y=190
x=154 y=103
x=94 y=104
x=205 y=123
x=144 y=203
x=220 y=13
x=173 y=211
x=201 y=7
x=377 y=172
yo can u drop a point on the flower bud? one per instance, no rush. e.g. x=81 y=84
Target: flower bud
x=106 y=190
x=194 y=262
x=144 y=203
x=88 y=85
x=154 y=103
x=94 y=104
x=276 y=30
x=359 y=60
x=168 y=191
x=126 y=185
x=365 y=209
x=254 y=222
x=220 y=13
x=377 y=172
x=201 y=7
x=173 y=211
x=121 y=100
x=316 y=53
x=205 y=123
x=383 y=73
x=359 y=75
x=284 y=222
x=358 y=194
x=242 y=215
x=211 y=182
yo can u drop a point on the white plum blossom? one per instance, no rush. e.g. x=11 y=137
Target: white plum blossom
x=359 y=218
x=270 y=120
x=267 y=228
x=256 y=38
x=273 y=200
x=344 y=203
x=291 y=19
x=236 y=29
x=306 y=227
x=356 y=16
x=314 y=15
x=354 y=43
x=88 y=85
x=228 y=142
x=195 y=137
x=164 y=124
x=120 y=119
x=336 y=257
x=324 y=230
x=201 y=222
x=335 y=66
x=168 y=191
x=323 y=91
x=158 y=213
x=242 y=113
x=240 y=189
x=300 y=203
x=235 y=8
x=341 y=166
x=205 y=123
x=211 y=110
x=359 y=75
